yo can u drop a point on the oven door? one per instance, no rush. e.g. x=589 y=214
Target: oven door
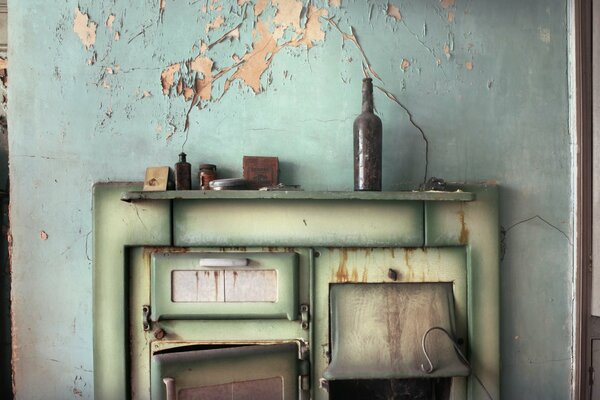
x=266 y=372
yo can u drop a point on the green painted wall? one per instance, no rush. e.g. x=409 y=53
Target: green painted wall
x=485 y=82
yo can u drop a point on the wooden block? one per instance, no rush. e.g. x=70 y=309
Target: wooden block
x=261 y=171
x=156 y=179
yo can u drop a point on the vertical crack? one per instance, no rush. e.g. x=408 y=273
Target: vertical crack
x=412 y=121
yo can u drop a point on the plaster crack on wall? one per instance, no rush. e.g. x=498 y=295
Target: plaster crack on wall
x=353 y=38
x=504 y=232
x=412 y=121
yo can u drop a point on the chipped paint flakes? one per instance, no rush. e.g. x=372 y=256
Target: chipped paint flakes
x=242 y=2
x=394 y=12
x=117 y=36
x=288 y=13
x=451 y=16
x=43 y=235
x=447 y=3
x=110 y=20
x=335 y=3
x=446 y=49
x=404 y=64
x=260 y=6
x=545 y=35
x=256 y=62
x=167 y=77
x=3 y=63
x=161 y=7
x=204 y=66
x=469 y=65
x=218 y=21
x=313 y=32
x=85 y=28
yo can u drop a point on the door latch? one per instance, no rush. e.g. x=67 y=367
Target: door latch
x=146 y=323
x=305 y=316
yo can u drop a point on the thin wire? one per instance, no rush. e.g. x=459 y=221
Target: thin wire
x=460 y=353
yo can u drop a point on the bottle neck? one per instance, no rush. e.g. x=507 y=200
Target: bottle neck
x=367 y=95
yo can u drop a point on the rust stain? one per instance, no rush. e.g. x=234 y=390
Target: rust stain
x=85 y=28
x=354 y=275
x=394 y=12
x=393 y=252
x=235 y=275
x=216 y=274
x=464 y=231
x=342 y=272
x=167 y=77
x=407 y=256
x=447 y=3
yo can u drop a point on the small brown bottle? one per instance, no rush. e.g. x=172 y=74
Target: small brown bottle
x=183 y=174
x=367 y=143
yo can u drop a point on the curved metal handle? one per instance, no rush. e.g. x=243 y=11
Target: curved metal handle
x=170 y=386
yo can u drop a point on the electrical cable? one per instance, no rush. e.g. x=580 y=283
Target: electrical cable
x=460 y=353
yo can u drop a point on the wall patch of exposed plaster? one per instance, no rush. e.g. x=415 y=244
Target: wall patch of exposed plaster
x=85 y=28
x=404 y=64
x=193 y=78
x=394 y=12
x=110 y=20
x=447 y=3
x=218 y=21
x=167 y=77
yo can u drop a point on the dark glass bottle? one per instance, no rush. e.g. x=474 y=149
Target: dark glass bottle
x=367 y=143
x=183 y=174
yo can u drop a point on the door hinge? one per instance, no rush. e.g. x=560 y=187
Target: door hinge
x=591 y=375
x=304 y=368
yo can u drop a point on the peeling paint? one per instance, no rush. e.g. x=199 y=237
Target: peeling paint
x=335 y=3
x=469 y=65
x=43 y=235
x=451 y=16
x=288 y=13
x=117 y=36
x=218 y=21
x=85 y=28
x=405 y=64
x=260 y=6
x=167 y=77
x=203 y=87
x=110 y=20
x=394 y=12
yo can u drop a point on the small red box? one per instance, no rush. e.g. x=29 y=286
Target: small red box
x=261 y=171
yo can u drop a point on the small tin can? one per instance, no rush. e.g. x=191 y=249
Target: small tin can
x=228 y=184
x=208 y=173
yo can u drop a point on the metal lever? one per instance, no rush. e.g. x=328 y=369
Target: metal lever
x=170 y=386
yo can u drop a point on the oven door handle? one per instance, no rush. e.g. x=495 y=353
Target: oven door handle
x=223 y=262
x=170 y=386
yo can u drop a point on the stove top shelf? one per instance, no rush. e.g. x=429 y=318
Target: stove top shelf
x=458 y=195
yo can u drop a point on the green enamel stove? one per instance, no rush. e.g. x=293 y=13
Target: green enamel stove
x=296 y=295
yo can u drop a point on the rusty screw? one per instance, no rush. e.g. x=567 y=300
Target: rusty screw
x=159 y=333
x=392 y=274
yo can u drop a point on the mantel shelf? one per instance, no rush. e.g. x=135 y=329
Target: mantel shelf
x=296 y=195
